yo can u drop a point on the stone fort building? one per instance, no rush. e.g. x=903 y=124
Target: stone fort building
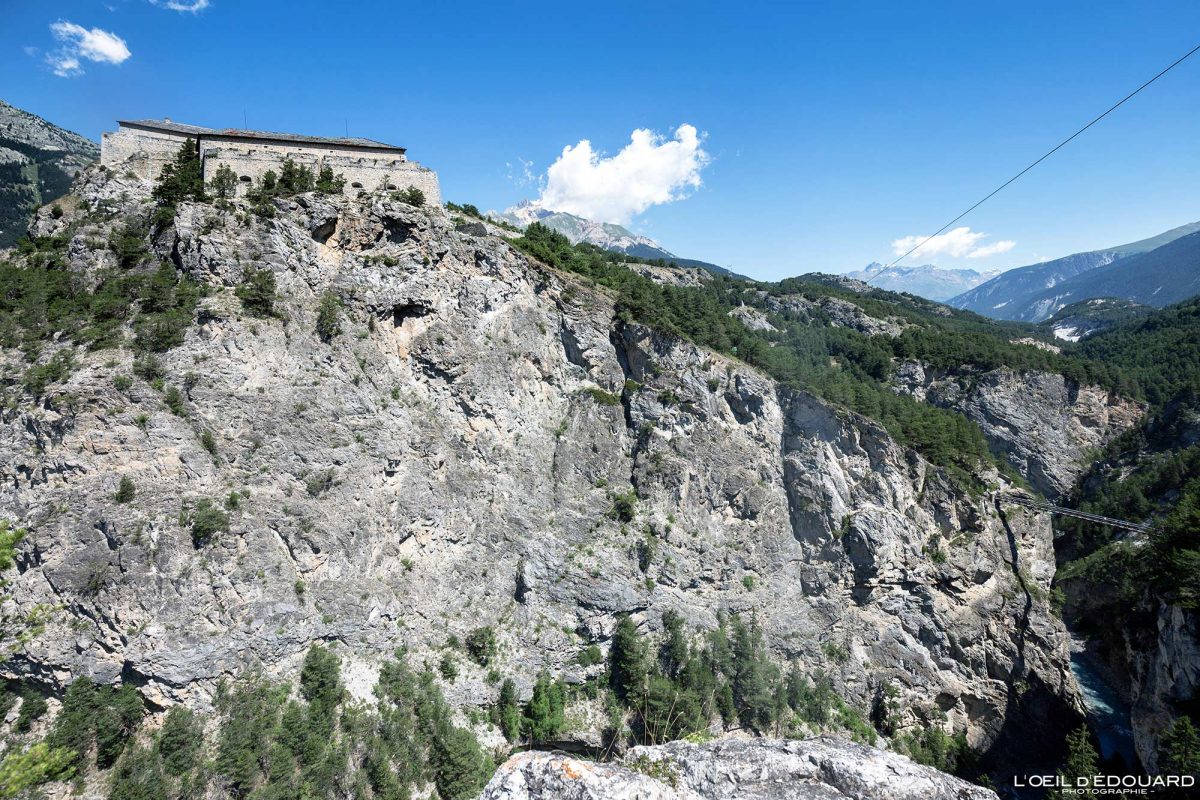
x=144 y=146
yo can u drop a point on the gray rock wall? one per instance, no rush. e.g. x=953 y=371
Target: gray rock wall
x=1042 y=424
x=451 y=460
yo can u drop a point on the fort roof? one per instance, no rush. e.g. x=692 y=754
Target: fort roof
x=168 y=126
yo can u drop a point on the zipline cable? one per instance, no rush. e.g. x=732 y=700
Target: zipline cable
x=1058 y=147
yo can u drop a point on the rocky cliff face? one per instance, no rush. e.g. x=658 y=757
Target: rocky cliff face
x=485 y=443
x=816 y=769
x=1041 y=423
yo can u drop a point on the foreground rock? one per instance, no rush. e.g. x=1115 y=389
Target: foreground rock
x=823 y=768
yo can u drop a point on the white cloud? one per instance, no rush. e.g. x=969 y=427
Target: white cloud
x=80 y=42
x=525 y=176
x=648 y=171
x=193 y=6
x=955 y=243
x=64 y=66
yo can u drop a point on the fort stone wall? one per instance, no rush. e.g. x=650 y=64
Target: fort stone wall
x=145 y=152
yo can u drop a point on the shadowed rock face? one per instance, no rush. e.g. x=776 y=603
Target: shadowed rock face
x=1041 y=423
x=823 y=768
x=450 y=461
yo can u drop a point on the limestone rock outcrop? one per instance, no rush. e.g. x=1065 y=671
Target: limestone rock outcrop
x=822 y=768
x=1041 y=423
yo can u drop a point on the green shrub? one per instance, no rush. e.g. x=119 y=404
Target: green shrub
x=21 y=771
x=506 y=713
x=149 y=368
x=328 y=183
x=257 y=292
x=33 y=708
x=129 y=244
x=163 y=217
x=589 y=656
x=56 y=370
x=101 y=716
x=481 y=645
x=122 y=383
x=320 y=482
x=125 y=491
x=209 y=442
x=207 y=521
x=412 y=196
x=174 y=401
x=624 y=506
x=294 y=178
x=138 y=775
x=448 y=667
x=328 y=325
x=602 y=397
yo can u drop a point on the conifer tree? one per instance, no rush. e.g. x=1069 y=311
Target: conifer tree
x=1081 y=760
x=1179 y=752
x=627 y=660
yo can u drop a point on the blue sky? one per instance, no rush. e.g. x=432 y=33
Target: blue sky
x=828 y=131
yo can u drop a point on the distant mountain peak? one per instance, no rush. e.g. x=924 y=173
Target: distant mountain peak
x=924 y=280
x=607 y=235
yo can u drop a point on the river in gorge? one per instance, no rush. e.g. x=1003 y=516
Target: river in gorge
x=1108 y=713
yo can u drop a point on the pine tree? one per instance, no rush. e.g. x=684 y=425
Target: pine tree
x=257 y=293
x=1081 y=759
x=180 y=740
x=328 y=325
x=137 y=776
x=460 y=767
x=544 y=717
x=627 y=660
x=328 y=183
x=506 y=714
x=1179 y=751
x=224 y=182
x=183 y=178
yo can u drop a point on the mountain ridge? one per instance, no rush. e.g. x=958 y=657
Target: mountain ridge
x=38 y=161
x=607 y=235
x=1023 y=293
x=926 y=280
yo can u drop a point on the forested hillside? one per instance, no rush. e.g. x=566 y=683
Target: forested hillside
x=803 y=347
